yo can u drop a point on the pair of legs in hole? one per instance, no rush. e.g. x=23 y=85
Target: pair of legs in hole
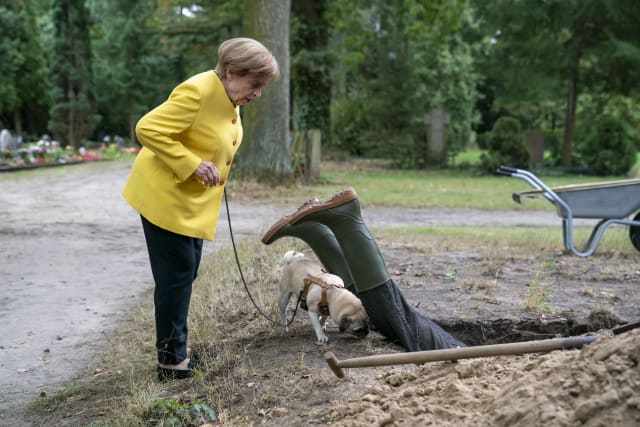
x=336 y=233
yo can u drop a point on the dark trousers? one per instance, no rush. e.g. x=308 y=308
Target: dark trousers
x=397 y=320
x=174 y=263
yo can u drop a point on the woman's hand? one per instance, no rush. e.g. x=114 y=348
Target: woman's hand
x=208 y=173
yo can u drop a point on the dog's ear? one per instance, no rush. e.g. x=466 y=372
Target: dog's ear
x=344 y=323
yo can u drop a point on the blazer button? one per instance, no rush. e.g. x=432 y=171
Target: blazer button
x=222 y=182
x=234 y=120
x=235 y=142
x=228 y=162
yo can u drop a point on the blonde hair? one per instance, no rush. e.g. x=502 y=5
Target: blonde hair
x=244 y=56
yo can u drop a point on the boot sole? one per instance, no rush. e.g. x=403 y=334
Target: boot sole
x=308 y=208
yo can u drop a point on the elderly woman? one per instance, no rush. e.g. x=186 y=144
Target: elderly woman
x=177 y=181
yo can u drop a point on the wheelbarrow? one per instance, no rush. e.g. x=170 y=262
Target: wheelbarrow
x=611 y=202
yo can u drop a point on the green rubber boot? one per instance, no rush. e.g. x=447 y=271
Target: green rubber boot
x=321 y=240
x=360 y=249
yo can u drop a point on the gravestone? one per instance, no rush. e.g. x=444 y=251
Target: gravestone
x=7 y=141
x=436 y=122
x=44 y=141
x=535 y=144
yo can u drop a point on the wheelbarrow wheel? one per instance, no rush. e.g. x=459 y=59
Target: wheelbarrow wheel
x=634 y=232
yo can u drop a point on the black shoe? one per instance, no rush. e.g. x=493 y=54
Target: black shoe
x=168 y=374
x=196 y=362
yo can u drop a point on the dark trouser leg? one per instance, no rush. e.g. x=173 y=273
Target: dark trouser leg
x=397 y=320
x=174 y=263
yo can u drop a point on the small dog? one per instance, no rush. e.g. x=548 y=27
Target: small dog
x=323 y=291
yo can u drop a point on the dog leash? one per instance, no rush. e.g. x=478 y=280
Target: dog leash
x=244 y=282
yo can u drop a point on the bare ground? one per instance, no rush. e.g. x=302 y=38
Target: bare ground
x=73 y=262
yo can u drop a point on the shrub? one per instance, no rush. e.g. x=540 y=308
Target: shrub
x=348 y=126
x=481 y=140
x=179 y=413
x=553 y=145
x=608 y=148
x=506 y=146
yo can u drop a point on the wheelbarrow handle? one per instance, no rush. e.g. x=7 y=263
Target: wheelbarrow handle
x=506 y=170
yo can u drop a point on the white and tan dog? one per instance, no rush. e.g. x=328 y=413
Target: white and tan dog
x=322 y=288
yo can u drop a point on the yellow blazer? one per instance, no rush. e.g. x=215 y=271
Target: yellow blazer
x=197 y=122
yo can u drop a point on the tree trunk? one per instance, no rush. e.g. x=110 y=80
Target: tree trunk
x=265 y=152
x=133 y=140
x=338 y=75
x=72 y=112
x=310 y=83
x=17 y=121
x=570 y=119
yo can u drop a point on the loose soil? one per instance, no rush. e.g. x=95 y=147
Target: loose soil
x=74 y=263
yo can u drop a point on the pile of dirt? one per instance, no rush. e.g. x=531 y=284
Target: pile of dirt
x=596 y=386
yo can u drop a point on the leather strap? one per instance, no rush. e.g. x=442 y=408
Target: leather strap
x=323 y=305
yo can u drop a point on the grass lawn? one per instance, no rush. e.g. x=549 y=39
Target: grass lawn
x=377 y=184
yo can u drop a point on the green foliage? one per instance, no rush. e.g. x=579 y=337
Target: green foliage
x=129 y=72
x=180 y=414
x=505 y=146
x=72 y=114
x=608 y=148
x=143 y=48
x=112 y=151
x=188 y=33
x=401 y=59
x=553 y=146
x=12 y=58
x=590 y=46
x=365 y=72
x=310 y=66
x=23 y=83
x=539 y=295
x=349 y=121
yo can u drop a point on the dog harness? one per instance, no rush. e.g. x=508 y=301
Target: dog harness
x=323 y=305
